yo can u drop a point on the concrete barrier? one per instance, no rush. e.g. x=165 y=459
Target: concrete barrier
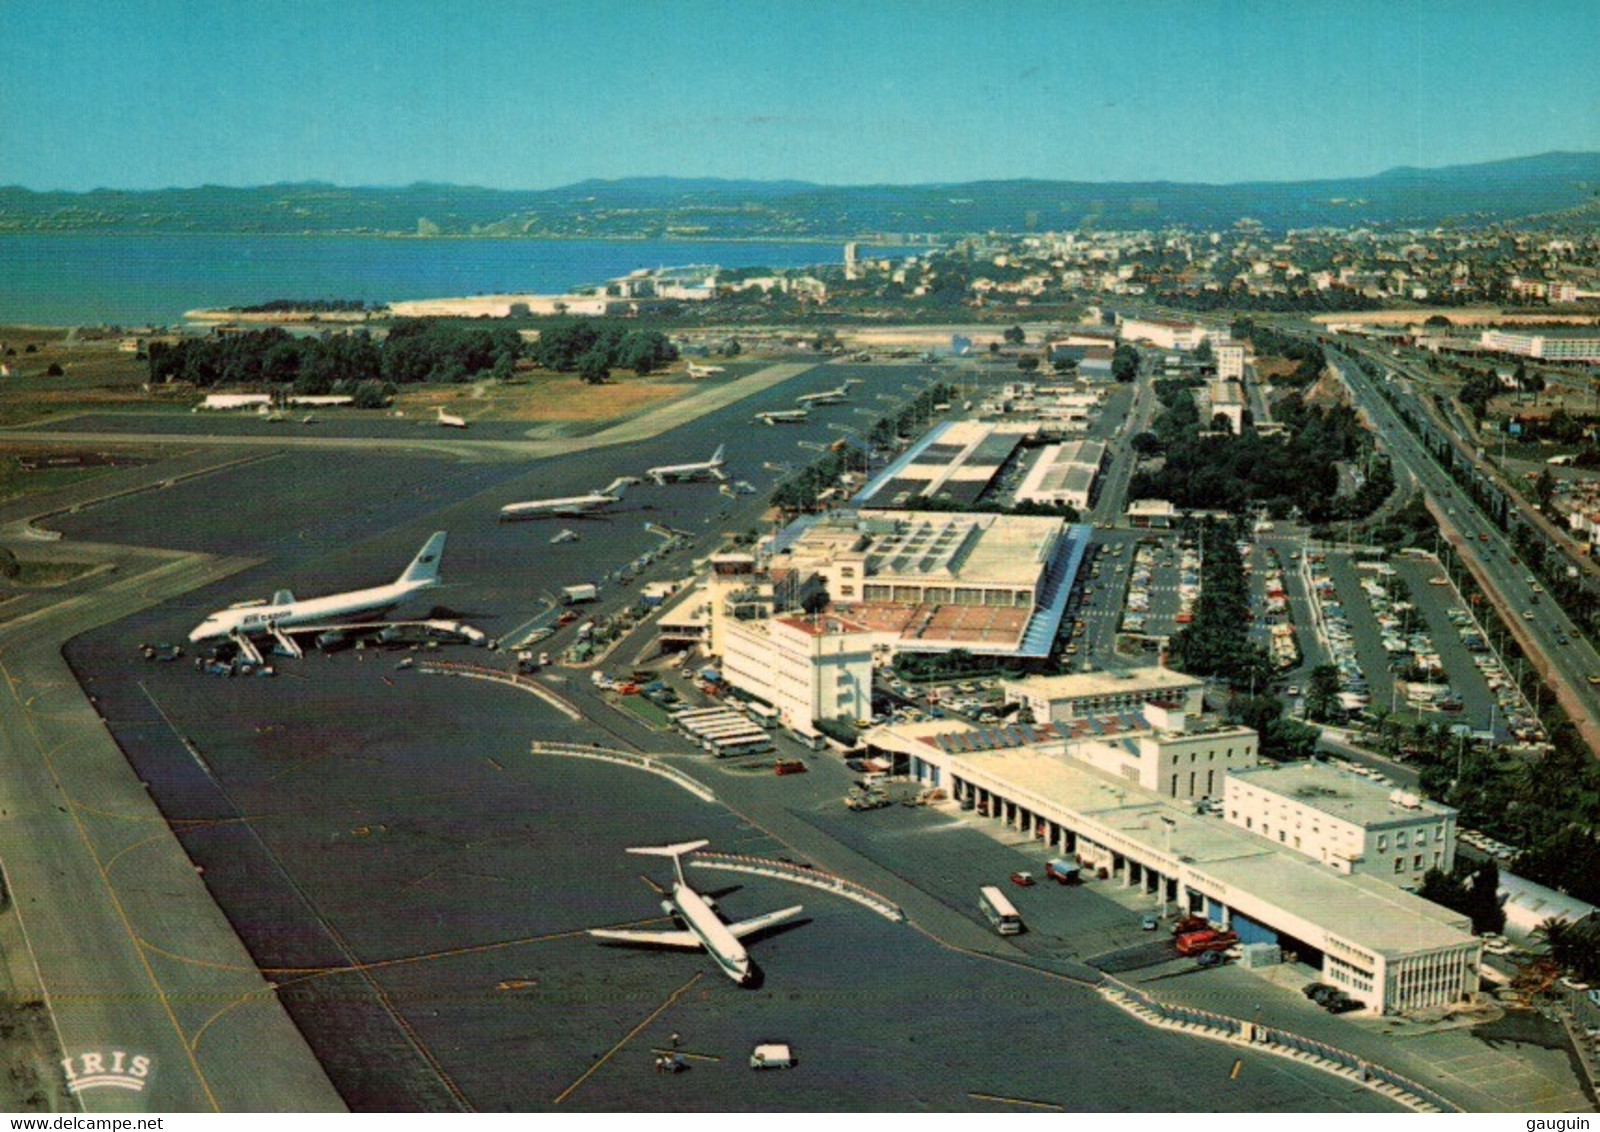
x=628 y=759
x=798 y=874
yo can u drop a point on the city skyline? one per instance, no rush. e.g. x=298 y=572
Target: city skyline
x=522 y=97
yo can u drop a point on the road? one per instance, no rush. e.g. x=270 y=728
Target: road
x=1538 y=623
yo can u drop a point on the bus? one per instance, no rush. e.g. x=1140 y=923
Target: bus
x=999 y=911
x=732 y=746
x=765 y=715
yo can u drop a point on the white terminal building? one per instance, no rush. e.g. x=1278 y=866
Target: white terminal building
x=809 y=668
x=1064 y=474
x=1166 y=334
x=1102 y=788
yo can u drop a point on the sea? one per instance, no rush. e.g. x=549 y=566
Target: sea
x=151 y=280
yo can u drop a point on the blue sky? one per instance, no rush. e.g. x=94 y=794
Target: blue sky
x=119 y=94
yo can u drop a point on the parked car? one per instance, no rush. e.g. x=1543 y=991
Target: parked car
x=1025 y=880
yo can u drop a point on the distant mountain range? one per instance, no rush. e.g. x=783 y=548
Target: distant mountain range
x=666 y=207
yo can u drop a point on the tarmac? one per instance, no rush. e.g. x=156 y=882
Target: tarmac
x=413 y=883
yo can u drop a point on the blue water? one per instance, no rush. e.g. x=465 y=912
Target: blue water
x=62 y=280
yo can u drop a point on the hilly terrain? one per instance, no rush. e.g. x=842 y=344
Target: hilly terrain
x=664 y=207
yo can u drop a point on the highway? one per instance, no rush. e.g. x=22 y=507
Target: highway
x=1539 y=624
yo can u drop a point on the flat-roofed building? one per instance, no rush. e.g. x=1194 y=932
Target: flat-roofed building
x=936 y=581
x=1057 y=699
x=1064 y=474
x=1342 y=821
x=1227 y=401
x=1165 y=333
x=1552 y=347
x=1230 y=359
x=808 y=668
x=1385 y=947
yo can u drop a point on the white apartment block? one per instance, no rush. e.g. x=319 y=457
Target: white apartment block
x=1230 y=359
x=1343 y=821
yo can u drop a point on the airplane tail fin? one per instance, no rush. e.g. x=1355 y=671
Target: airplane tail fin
x=283 y=597
x=675 y=851
x=424 y=567
x=716 y=457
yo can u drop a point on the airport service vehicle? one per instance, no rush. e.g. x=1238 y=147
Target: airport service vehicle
x=1063 y=871
x=1000 y=912
x=572 y=595
x=702 y=926
x=1193 y=943
x=772 y=1055
x=571 y=506
x=1023 y=880
x=323 y=614
x=678 y=473
x=789 y=766
x=1190 y=924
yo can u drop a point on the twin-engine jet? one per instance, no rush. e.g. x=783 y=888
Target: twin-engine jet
x=702 y=926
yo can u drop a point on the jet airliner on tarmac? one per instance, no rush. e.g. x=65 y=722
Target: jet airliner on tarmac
x=702 y=926
x=572 y=505
x=828 y=396
x=704 y=371
x=668 y=473
x=783 y=416
x=284 y=612
x=450 y=420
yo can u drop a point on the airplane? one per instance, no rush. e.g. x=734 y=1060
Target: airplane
x=828 y=396
x=702 y=926
x=571 y=506
x=783 y=416
x=284 y=612
x=667 y=473
x=704 y=371
x=450 y=420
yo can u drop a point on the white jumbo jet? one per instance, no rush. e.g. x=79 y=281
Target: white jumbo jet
x=828 y=396
x=704 y=371
x=450 y=420
x=572 y=506
x=782 y=416
x=703 y=927
x=668 y=473
x=284 y=612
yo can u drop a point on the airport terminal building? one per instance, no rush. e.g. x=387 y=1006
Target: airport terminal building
x=1081 y=788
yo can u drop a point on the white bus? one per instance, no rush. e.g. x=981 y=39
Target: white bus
x=732 y=746
x=1000 y=913
x=763 y=714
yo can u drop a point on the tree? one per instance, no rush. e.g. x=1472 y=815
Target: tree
x=1124 y=362
x=1016 y=335
x=594 y=367
x=1146 y=444
x=1028 y=363
x=1322 y=694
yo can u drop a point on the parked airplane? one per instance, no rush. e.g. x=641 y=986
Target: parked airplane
x=702 y=926
x=569 y=507
x=284 y=612
x=828 y=396
x=668 y=473
x=783 y=416
x=450 y=420
x=704 y=371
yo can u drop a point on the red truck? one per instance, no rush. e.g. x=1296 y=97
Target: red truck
x=1193 y=943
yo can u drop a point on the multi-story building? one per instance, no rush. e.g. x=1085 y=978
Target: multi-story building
x=1230 y=359
x=1166 y=334
x=1551 y=347
x=1344 y=822
x=1227 y=401
x=809 y=668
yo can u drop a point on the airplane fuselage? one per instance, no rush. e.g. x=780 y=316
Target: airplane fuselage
x=573 y=505
x=701 y=919
x=259 y=618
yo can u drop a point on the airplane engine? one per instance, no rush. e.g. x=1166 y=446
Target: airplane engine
x=666 y=906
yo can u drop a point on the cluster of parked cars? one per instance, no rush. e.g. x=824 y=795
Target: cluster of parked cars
x=1331 y=998
x=1486 y=844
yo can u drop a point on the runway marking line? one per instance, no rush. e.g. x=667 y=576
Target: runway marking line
x=629 y=1036
x=1023 y=1102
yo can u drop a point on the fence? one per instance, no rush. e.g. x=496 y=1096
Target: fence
x=1281 y=1042
x=499 y=676
x=628 y=759
x=799 y=874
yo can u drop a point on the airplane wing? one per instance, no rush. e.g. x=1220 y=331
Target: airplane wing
x=652 y=939
x=760 y=923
